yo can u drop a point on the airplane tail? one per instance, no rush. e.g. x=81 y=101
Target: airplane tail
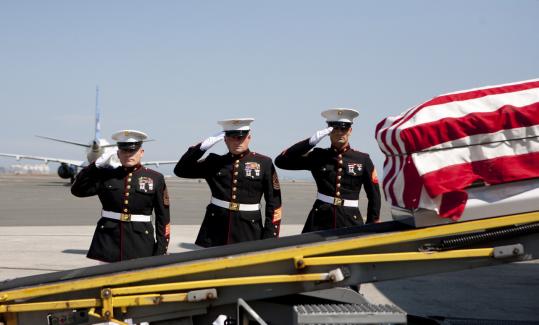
x=96 y=144
x=97 y=135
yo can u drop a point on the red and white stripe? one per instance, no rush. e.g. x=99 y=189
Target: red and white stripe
x=436 y=149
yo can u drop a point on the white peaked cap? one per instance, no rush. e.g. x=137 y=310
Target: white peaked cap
x=129 y=136
x=346 y=115
x=236 y=124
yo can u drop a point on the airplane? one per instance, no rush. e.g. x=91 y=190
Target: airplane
x=69 y=168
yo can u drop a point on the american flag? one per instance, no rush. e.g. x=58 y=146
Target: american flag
x=437 y=149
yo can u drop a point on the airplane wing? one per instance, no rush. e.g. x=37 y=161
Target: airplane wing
x=78 y=163
x=159 y=162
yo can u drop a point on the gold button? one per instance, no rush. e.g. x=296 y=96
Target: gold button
x=233 y=197
x=235 y=181
x=237 y=161
x=236 y=165
x=125 y=202
x=129 y=179
x=338 y=193
x=275 y=226
x=126 y=193
x=130 y=174
x=339 y=176
x=355 y=217
x=274 y=234
x=234 y=189
x=340 y=156
x=338 y=184
x=340 y=162
x=339 y=170
x=128 y=186
x=125 y=210
x=146 y=232
x=235 y=173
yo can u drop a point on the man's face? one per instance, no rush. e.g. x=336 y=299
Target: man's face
x=340 y=136
x=237 y=144
x=130 y=158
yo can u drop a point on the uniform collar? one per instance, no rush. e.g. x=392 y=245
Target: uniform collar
x=132 y=169
x=241 y=155
x=342 y=150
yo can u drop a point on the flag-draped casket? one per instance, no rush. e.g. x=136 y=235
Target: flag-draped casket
x=437 y=150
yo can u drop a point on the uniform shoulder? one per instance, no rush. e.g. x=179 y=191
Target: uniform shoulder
x=359 y=153
x=320 y=150
x=151 y=171
x=317 y=151
x=260 y=156
x=213 y=157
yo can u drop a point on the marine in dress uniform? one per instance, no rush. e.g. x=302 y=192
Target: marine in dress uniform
x=237 y=181
x=339 y=172
x=128 y=192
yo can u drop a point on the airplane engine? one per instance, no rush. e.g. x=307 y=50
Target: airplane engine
x=67 y=171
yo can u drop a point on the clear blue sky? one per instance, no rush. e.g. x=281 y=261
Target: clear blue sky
x=173 y=68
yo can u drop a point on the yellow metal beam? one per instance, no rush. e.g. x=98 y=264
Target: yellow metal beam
x=124 y=301
x=226 y=282
x=110 y=296
x=148 y=300
x=51 y=305
x=263 y=257
x=397 y=257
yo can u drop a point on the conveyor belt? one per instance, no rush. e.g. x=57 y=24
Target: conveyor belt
x=214 y=252
x=185 y=284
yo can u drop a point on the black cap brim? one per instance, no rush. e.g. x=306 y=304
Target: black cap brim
x=236 y=133
x=129 y=145
x=342 y=125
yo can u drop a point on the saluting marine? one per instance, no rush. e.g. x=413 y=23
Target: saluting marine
x=237 y=181
x=128 y=193
x=339 y=172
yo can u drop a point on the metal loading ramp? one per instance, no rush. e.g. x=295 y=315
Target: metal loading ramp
x=195 y=287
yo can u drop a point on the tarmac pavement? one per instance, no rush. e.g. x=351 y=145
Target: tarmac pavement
x=43 y=228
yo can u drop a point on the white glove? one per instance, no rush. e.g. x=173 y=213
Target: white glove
x=220 y=320
x=109 y=159
x=211 y=141
x=319 y=135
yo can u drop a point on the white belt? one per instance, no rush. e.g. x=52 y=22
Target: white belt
x=126 y=216
x=337 y=201
x=234 y=206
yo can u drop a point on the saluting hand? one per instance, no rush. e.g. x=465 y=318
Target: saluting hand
x=319 y=135
x=109 y=159
x=211 y=141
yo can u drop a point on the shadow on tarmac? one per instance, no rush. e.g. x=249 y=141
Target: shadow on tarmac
x=189 y=246
x=499 y=292
x=64 y=184
x=75 y=251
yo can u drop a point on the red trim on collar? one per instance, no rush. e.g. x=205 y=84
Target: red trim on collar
x=345 y=149
x=241 y=155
